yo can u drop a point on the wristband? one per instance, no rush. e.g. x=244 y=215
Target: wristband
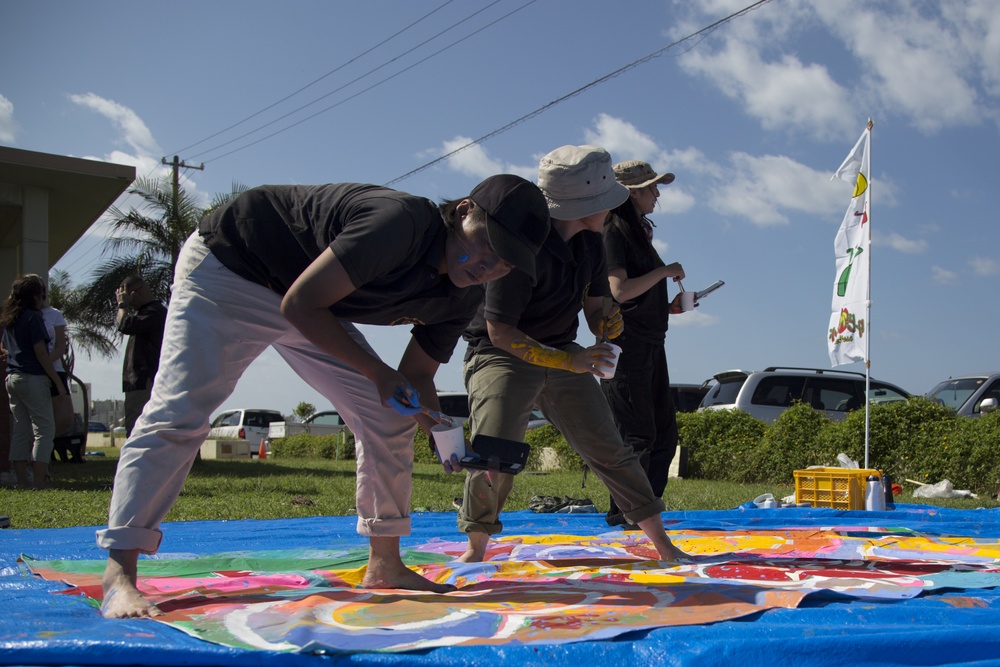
x=122 y=305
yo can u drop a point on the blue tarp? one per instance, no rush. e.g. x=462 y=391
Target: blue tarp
x=940 y=627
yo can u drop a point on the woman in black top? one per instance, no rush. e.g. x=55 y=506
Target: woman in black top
x=639 y=393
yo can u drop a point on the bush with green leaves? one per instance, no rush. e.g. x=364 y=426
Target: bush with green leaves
x=976 y=445
x=548 y=435
x=304 y=446
x=907 y=439
x=720 y=443
x=791 y=443
x=916 y=439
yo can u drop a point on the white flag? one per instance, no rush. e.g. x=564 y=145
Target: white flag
x=848 y=325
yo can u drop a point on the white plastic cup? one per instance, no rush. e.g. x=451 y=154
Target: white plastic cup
x=609 y=373
x=449 y=438
x=687 y=301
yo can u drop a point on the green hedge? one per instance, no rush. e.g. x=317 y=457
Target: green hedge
x=916 y=439
x=303 y=446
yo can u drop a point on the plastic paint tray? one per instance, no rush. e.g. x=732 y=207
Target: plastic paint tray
x=839 y=488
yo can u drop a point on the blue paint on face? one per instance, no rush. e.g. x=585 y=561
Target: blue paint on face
x=463 y=259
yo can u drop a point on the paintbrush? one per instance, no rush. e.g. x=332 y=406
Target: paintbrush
x=606 y=307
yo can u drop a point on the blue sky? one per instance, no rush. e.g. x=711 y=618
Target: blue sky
x=753 y=118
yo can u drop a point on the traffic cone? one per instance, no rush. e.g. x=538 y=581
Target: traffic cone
x=262 y=452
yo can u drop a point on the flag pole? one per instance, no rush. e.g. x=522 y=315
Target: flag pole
x=868 y=304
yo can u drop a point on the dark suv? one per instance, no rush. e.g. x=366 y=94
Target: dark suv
x=766 y=394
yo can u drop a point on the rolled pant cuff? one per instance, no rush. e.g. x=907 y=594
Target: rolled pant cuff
x=646 y=511
x=384 y=527
x=466 y=527
x=127 y=538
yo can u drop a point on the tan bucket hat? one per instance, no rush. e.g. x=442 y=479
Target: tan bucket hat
x=634 y=174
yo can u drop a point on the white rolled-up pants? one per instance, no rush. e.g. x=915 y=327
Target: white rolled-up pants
x=217 y=324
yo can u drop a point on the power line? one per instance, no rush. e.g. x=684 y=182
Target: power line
x=578 y=91
x=91 y=256
x=317 y=80
x=355 y=80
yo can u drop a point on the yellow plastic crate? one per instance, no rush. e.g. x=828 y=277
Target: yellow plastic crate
x=839 y=488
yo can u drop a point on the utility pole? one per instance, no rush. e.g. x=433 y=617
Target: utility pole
x=177 y=164
x=175 y=214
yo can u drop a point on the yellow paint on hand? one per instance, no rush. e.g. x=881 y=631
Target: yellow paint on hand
x=541 y=355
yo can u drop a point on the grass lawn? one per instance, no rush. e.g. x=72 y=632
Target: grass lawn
x=287 y=488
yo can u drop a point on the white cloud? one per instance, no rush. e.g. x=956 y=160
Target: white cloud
x=937 y=64
x=916 y=59
x=694 y=319
x=475 y=161
x=764 y=188
x=943 y=276
x=784 y=93
x=900 y=243
x=8 y=128
x=623 y=140
x=134 y=130
x=984 y=266
x=673 y=200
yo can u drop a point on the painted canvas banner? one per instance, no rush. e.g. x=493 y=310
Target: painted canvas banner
x=536 y=589
x=852 y=248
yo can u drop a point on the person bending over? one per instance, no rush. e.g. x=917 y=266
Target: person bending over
x=295 y=268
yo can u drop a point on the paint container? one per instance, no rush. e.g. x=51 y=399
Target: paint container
x=874 y=495
x=610 y=373
x=449 y=439
x=687 y=301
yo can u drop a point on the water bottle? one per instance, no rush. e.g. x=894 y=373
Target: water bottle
x=874 y=495
x=890 y=504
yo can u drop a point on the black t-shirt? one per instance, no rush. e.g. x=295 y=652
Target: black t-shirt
x=645 y=317
x=390 y=243
x=548 y=312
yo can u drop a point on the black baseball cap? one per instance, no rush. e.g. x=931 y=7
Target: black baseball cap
x=517 y=219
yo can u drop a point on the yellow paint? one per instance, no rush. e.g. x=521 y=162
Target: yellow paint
x=541 y=355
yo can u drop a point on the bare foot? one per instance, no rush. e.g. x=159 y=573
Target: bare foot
x=653 y=527
x=476 y=551
x=386 y=569
x=404 y=578
x=671 y=552
x=121 y=597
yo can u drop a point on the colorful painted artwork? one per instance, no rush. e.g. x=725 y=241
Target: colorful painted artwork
x=546 y=589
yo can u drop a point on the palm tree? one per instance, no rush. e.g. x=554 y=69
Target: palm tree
x=147 y=245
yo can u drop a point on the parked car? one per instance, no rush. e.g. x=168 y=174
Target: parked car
x=688 y=397
x=95 y=426
x=327 y=418
x=243 y=424
x=768 y=393
x=968 y=395
x=326 y=422
x=455 y=404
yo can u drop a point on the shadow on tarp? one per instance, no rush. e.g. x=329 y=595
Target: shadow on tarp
x=39 y=627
